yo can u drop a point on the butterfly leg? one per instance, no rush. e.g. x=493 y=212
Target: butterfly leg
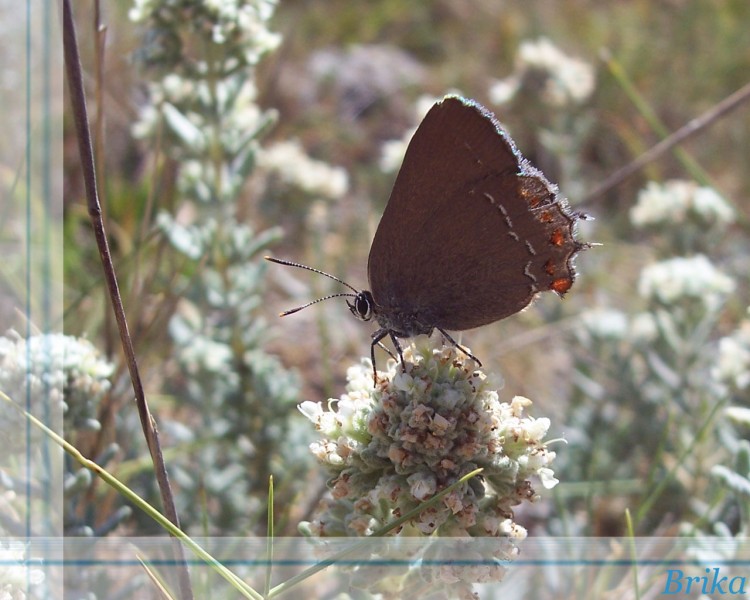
x=388 y=350
x=394 y=339
x=376 y=337
x=459 y=346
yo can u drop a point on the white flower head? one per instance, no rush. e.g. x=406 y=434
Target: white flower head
x=64 y=373
x=294 y=167
x=605 y=323
x=392 y=152
x=142 y=9
x=244 y=23
x=643 y=328
x=418 y=431
x=16 y=576
x=675 y=202
x=504 y=90
x=564 y=80
x=679 y=279
x=733 y=359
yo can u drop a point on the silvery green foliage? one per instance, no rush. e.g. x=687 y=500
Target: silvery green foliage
x=242 y=394
x=732 y=368
x=649 y=377
x=65 y=378
x=202 y=107
x=729 y=520
x=203 y=98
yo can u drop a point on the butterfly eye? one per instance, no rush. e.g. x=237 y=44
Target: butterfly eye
x=362 y=306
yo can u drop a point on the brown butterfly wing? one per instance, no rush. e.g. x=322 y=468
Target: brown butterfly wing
x=472 y=232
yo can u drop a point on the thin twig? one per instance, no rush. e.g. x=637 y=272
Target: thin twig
x=80 y=113
x=717 y=111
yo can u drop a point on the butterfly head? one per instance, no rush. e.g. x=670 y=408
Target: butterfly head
x=363 y=305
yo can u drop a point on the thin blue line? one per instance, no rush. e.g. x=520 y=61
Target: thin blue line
x=383 y=562
x=46 y=268
x=28 y=265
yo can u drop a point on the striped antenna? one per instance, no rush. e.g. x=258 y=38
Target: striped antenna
x=300 y=266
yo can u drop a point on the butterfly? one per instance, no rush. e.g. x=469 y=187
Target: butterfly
x=472 y=232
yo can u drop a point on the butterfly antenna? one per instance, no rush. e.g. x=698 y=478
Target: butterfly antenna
x=299 y=266
x=294 y=310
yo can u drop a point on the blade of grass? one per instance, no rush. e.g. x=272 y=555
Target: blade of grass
x=153 y=575
x=139 y=502
x=694 y=126
x=633 y=552
x=269 y=539
x=644 y=108
x=293 y=581
x=649 y=501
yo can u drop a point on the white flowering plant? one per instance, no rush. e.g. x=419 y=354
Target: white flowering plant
x=658 y=367
x=238 y=129
x=62 y=374
x=423 y=426
x=732 y=367
x=17 y=576
x=62 y=380
x=681 y=211
x=203 y=108
x=544 y=69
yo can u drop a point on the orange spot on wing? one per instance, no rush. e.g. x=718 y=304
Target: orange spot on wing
x=561 y=284
x=557 y=238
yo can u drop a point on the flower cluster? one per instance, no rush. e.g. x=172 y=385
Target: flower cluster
x=685 y=279
x=15 y=576
x=65 y=373
x=417 y=432
x=676 y=202
x=291 y=163
x=540 y=65
x=608 y=326
x=732 y=366
x=605 y=323
x=239 y=22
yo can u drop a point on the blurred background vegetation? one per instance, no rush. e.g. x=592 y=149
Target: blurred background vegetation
x=643 y=433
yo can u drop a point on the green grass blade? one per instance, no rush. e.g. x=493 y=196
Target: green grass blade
x=269 y=539
x=287 y=585
x=131 y=496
